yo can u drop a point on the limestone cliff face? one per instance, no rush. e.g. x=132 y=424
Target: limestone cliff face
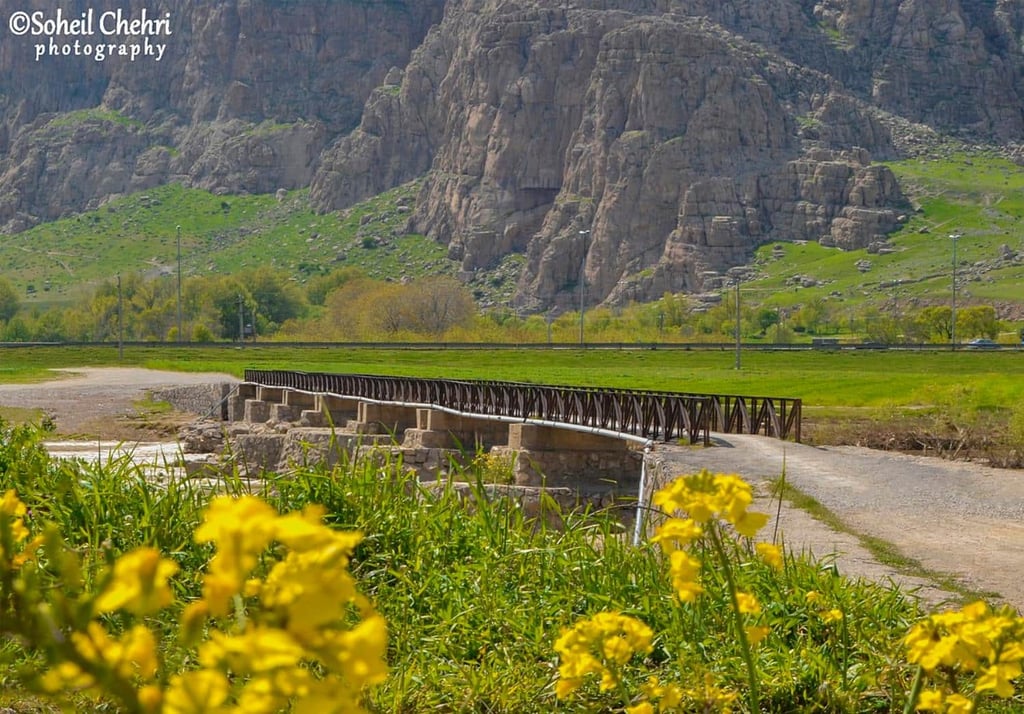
x=646 y=145
x=245 y=98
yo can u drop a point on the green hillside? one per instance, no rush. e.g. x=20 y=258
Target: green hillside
x=980 y=197
x=55 y=263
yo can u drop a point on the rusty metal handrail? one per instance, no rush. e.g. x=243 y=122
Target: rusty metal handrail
x=661 y=416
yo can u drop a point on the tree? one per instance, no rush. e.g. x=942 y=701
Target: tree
x=766 y=317
x=977 y=321
x=275 y=298
x=321 y=286
x=437 y=304
x=936 y=322
x=9 y=303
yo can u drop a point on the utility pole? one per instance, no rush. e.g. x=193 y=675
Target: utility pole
x=241 y=329
x=120 y=321
x=952 y=330
x=583 y=279
x=738 y=350
x=179 y=284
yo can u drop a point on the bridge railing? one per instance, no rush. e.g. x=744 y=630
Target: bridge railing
x=661 y=416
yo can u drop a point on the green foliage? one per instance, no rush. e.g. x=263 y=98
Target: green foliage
x=979 y=196
x=9 y=303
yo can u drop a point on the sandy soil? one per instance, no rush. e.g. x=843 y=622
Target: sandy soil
x=959 y=519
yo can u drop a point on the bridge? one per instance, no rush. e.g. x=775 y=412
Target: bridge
x=652 y=415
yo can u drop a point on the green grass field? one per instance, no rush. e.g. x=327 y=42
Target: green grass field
x=821 y=379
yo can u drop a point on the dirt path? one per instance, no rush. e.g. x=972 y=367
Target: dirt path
x=955 y=518
x=103 y=402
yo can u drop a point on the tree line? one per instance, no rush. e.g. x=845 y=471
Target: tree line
x=347 y=306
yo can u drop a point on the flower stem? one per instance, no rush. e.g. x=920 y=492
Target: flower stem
x=716 y=540
x=915 y=691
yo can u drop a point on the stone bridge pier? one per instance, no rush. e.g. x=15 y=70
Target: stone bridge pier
x=544 y=456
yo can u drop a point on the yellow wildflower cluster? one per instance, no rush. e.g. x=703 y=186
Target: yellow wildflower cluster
x=714 y=505
x=302 y=637
x=660 y=698
x=601 y=645
x=974 y=640
x=706 y=498
x=827 y=615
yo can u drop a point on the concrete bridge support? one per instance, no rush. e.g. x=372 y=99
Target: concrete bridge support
x=555 y=457
x=374 y=418
x=291 y=406
x=236 y=403
x=330 y=410
x=436 y=429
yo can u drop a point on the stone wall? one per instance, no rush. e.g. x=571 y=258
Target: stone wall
x=205 y=400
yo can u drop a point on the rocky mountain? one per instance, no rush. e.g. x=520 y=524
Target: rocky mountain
x=642 y=146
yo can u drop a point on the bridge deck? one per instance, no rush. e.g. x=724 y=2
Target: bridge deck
x=660 y=416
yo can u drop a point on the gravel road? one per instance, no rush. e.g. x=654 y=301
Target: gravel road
x=954 y=518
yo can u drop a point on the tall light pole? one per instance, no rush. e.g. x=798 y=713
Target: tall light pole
x=179 y=283
x=738 y=349
x=583 y=279
x=120 y=321
x=952 y=330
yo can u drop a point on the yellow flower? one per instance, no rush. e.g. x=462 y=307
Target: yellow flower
x=667 y=696
x=676 y=531
x=684 y=570
x=641 y=708
x=930 y=700
x=748 y=604
x=359 y=653
x=203 y=691
x=151 y=698
x=755 y=634
x=833 y=615
x=241 y=528
x=749 y=523
x=770 y=554
x=311 y=589
x=712 y=697
x=959 y=704
x=139 y=584
x=998 y=678
x=258 y=649
x=608 y=635
x=11 y=512
x=812 y=597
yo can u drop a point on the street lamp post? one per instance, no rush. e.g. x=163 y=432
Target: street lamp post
x=952 y=330
x=583 y=279
x=179 y=283
x=738 y=344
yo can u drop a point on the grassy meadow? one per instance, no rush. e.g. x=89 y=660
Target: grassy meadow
x=846 y=378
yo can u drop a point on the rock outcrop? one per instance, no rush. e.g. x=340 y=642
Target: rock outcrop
x=636 y=150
